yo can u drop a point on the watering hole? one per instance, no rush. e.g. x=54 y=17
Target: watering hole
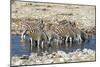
x=17 y=49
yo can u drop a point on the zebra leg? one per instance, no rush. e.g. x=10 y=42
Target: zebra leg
x=38 y=43
x=31 y=43
x=42 y=43
x=34 y=44
x=23 y=38
x=80 y=39
x=55 y=41
x=49 y=42
x=66 y=41
x=70 y=39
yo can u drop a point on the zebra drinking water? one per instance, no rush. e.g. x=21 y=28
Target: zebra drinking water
x=54 y=35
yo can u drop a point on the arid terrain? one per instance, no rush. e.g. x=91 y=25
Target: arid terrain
x=83 y=16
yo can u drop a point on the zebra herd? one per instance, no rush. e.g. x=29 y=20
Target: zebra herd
x=56 y=34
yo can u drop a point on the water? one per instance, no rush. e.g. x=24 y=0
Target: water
x=17 y=49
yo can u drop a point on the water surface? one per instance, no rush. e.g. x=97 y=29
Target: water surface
x=17 y=49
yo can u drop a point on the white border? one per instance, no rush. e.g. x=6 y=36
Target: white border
x=5 y=33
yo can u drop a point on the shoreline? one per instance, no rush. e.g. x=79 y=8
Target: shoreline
x=55 y=57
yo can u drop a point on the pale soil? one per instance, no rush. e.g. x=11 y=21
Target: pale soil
x=82 y=15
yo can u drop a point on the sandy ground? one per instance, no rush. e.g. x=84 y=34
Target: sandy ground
x=82 y=15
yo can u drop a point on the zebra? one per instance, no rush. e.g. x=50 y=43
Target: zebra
x=62 y=31
x=53 y=38
x=55 y=34
x=69 y=33
x=35 y=33
x=52 y=35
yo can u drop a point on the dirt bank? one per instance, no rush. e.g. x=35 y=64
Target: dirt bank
x=55 y=57
x=83 y=16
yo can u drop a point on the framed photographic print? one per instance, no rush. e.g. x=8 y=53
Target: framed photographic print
x=52 y=33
